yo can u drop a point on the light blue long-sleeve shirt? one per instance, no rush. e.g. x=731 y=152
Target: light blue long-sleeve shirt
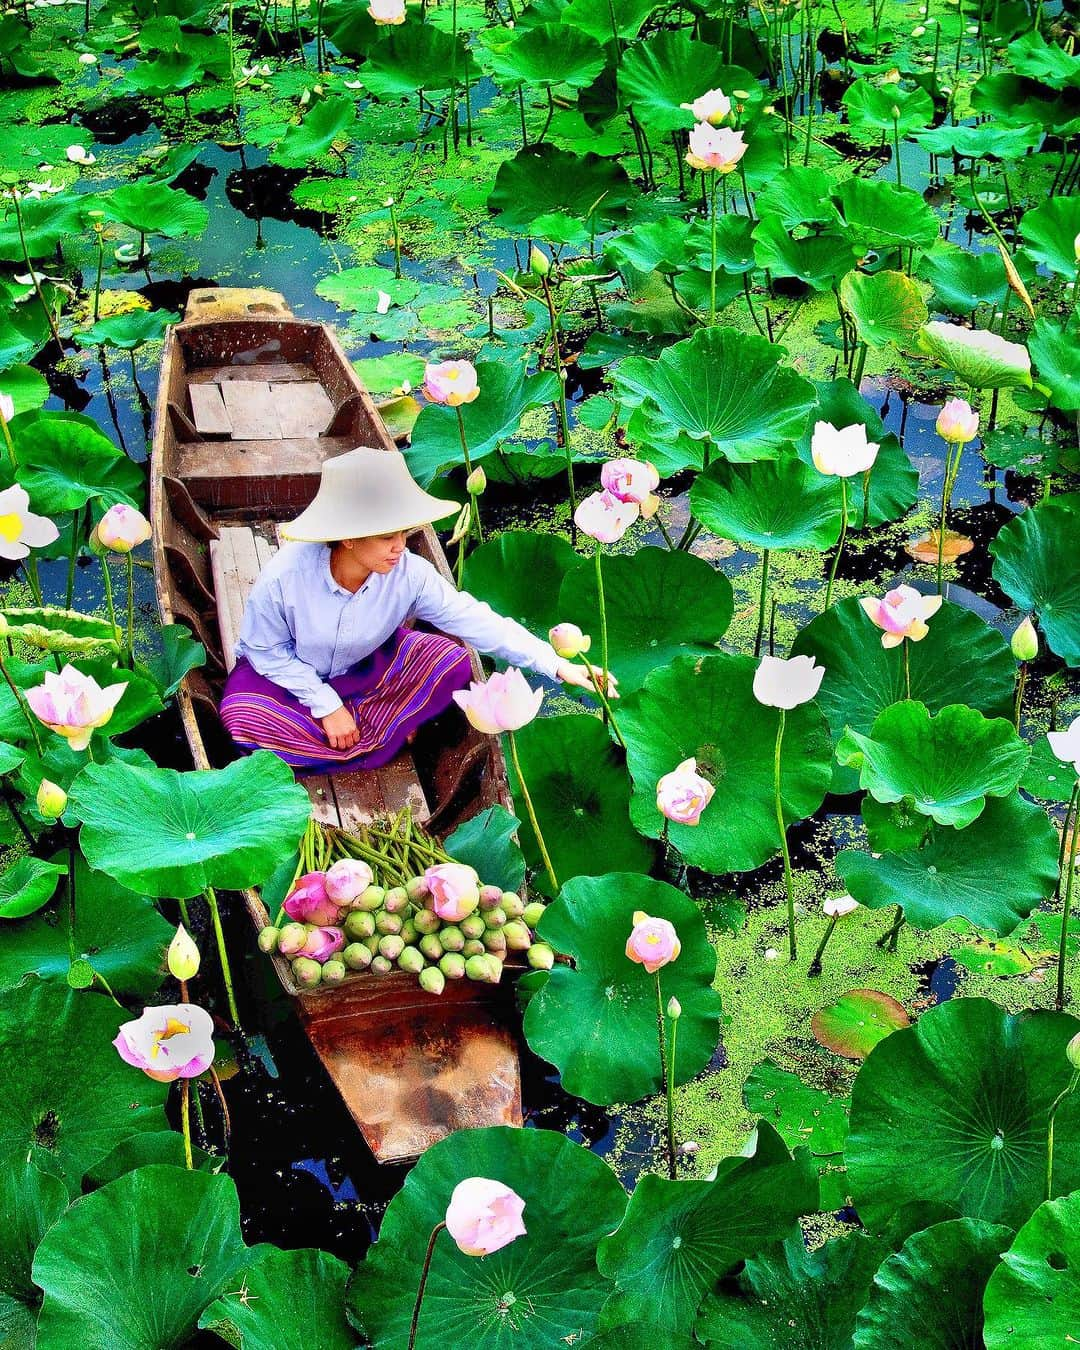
x=300 y=628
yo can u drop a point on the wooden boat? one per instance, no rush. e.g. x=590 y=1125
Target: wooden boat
x=250 y=403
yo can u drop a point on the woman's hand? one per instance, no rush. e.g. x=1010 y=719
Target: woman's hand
x=570 y=672
x=340 y=729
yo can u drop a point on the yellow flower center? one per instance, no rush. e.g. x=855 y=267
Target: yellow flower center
x=651 y=939
x=173 y=1027
x=10 y=527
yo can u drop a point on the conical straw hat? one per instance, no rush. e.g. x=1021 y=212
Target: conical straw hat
x=365 y=492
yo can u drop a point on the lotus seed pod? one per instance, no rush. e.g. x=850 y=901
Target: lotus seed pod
x=432 y=980
x=391 y=946
x=540 y=956
x=473 y=947
x=411 y=961
x=306 y=972
x=431 y=946
x=512 y=906
x=452 y=966
x=473 y=926
x=495 y=941
x=371 y=899
x=333 y=972
x=356 y=956
x=426 y=921
x=1072 y=1052
x=517 y=936
x=484 y=969
x=533 y=913
x=489 y=896
x=409 y=933
x=268 y=939
x=385 y=922
x=452 y=938
x=495 y=918
x=359 y=924
x=417 y=889
x=396 y=900
x=291 y=938
x=381 y=966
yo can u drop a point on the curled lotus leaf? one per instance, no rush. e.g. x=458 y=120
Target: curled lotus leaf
x=819 y=260
x=64 y=461
x=977 y=357
x=154 y=208
x=888 y=108
x=1032 y=1296
x=1037 y=564
x=26 y=885
x=653 y=78
x=1049 y=231
x=883 y=217
x=1053 y=348
x=301 y=145
x=542 y=182
x=59 y=630
x=962 y=281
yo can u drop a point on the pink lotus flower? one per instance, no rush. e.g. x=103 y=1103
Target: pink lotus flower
x=715 y=148
x=322 y=943
x=901 y=614
x=503 y=702
x=604 y=517
x=653 y=942
x=387 y=11
x=683 y=794
x=569 y=641
x=451 y=382
x=20 y=529
x=348 y=878
x=309 y=902
x=957 y=422
x=454 y=889
x=631 y=480
x=169 y=1042
x=73 y=705
x=483 y=1216
x=842 y=451
x=787 y=684
x=712 y=107
x=122 y=528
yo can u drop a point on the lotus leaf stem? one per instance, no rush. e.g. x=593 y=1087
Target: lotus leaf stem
x=1069 y=874
x=890 y=936
x=16 y=814
x=73 y=554
x=130 y=610
x=840 y=543
x=532 y=815
x=109 y=605
x=226 y=972
x=603 y=622
x=24 y=707
x=866 y=498
x=952 y=468
x=49 y=318
x=815 y=965
x=762 y=598
x=226 y=1117
x=185 y=1121
x=474 y=505
x=609 y=715
x=564 y=420
x=1052 y=1114
x=896 y=148
x=788 y=887
x=712 y=255
x=8 y=441
x=1021 y=683
x=424 y=1271
x=664 y=531
x=905 y=647
x=669 y=1086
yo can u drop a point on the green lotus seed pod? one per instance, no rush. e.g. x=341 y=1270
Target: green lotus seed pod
x=452 y=966
x=426 y=921
x=411 y=960
x=533 y=913
x=489 y=896
x=495 y=918
x=484 y=969
x=268 y=939
x=371 y=899
x=381 y=966
x=540 y=956
x=432 y=980
x=333 y=972
x=391 y=946
x=495 y=941
x=417 y=889
x=452 y=938
x=431 y=946
x=473 y=947
x=396 y=900
x=518 y=938
x=359 y=924
x=291 y=938
x=473 y=926
x=306 y=973
x=409 y=933
x=356 y=956
x=386 y=923
x=512 y=906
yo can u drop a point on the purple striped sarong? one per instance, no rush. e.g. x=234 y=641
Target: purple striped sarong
x=403 y=683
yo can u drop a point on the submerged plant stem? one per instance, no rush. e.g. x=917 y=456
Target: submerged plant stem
x=762 y=598
x=532 y=815
x=840 y=542
x=1073 y=813
x=815 y=965
x=792 y=950
x=1051 y=1115
x=223 y=955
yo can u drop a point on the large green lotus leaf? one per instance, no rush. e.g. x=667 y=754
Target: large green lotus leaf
x=542 y=182
x=519 y=574
x=52 y=629
x=1053 y=348
x=886 y=307
x=312 y=138
x=46 y=222
x=953 y=1111
x=579 y=788
x=798 y=196
x=789 y=1297
x=532 y=1293
x=351 y=29
x=64 y=460
x=641 y=1336
x=978 y=358
x=858 y=1021
x=660 y=604
x=68 y=1097
x=962 y=281
x=289 y=1300
x=679 y=1237
x=906 y=1306
x=595 y=17
x=25 y=886
x=25 y=386
x=704 y=708
x=166 y=73
x=1033 y=1298
x=140 y=1150
x=1037 y=564
x=883 y=217
x=651 y=246
x=994 y=872
x=23 y=334
x=31 y=1201
x=131 y=1266
x=1049 y=231
x=596 y=1020
x=128 y=331
x=120 y=934
x=978 y=142
x=1032 y=55
x=1018 y=101
x=549 y=54
x=226 y=827
x=947 y=765
x=1047 y=777
x=488 y=842
x=506 y=394
x=723 y=387
x=887 y=108
x=416 y=56
x=654 y=77
x=819 y=260
x=771 y=504
x=357 y=288
x=153 y=208
x=803 y=1115
x=961 y=660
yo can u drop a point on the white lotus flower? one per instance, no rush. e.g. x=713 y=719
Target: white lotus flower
x=1066 y=744
x=787 y=684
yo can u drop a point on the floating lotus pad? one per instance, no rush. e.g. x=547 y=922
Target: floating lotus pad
x=770 y=504
x=324 y=122
x=288 y=1300
x=128 y=331
x=885 y=306
x=1037 y=564
x=803 y=1115
x=1031 y=1298
x=542 y=183
x=858 y=1021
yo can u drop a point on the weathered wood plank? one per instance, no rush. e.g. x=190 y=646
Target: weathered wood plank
x=251 y=410
x=209 y=411
x=302 y=409
x=277 y=372
x=324 y=807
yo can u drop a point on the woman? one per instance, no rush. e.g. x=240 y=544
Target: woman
x=326 y=675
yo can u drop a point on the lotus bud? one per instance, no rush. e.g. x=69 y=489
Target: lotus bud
x=512 y=905
x=1072 y=1052
x=426 y=921
x=473 y=925
x=674 y=1008
x=358 y=925
x=452 y=938
x=957 y=422
x=381 y=966
x=569 y=641
x=539 y=262
x=495 y=941
x=540 y=956
x=347 y=880
x=452 y=966
x=268 y=939
x=484 y=969
x=87 y=59
x=462 y=524
x=385 y=923
x=417 y=889
x=51 y=799
x=396 y=900
x=333 y=972
x=183 y=956
x=372 y=943
x=518 y=938
x=473 y=947
x=356 y=956
x=291 y=939
x=391 y=946
x=496 y=918
x=432 y=980
x=533 y=913
x=894 y=113
x=490 y=897
x=476 y=482
x=411 y=961
x=431 y=947
x=306 y=972
x=371 y=899
x=409 y=934
x=1025 y=641
x=1076 y=248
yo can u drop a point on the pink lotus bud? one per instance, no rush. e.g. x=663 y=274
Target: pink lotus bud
x=483 y=1216
x=322 y=943
x=787 y=684
x=451 y=382
x=901 y=614
x=712 y=107
x=604 y=517
x=309 y=902
x=168 y=1042
x=346 y=880
x=503 y=702
x=957 y=422
x=455 y=890
x=122 y=528
x=842 y=451
x=653 y=942
x=72 y=704
x=682 y=795
x=569 y=641
x=630 y=480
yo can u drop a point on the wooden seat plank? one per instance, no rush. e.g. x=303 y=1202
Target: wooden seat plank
x=209 y=411
x=277 y=372
x=259 y=476
x=251 y=410
x=302 y=409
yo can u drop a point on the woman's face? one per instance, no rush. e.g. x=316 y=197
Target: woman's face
x=377 y=552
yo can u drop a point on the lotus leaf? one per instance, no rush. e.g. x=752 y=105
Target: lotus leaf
x=581 y=795
x=140 y=1150
x=351 y=29
x=656 y=245
x=59 y=630
x=994 y=872
x=323 y=123
x=46 y=223
x=820 y=260
x=953 y=1110
x=416 y=56
x=31 y=1201
x=1032 y=1298
x=11 y=756
x=991 y=363
x=978 y=142
x=22 y=335
x=166 y=73
x=152 y=1248
x=26 y=388
x=64 y=461
x=179 y=653
x=862 y=678
x=1053 y=348
x=1048 y=232
x=640 y=1336
x=653 y=77
x=546 y=1281
x=596 y=1020
x=549 y=54
x=220 y=827
x=153 y=208
x=1047 y=777
x=803 y=1115
x=519 y=574
x=488 y=842
x=128 y=331
x=595 y=17
x=724 y=388
x=788 y=1296
x=886 y=307
x=26 y=885
x=679 y=1237
x=883 y=217
x=947 y=764
x=542 y=182
x=771 y=504
x=289 y=1300
x=798 y=196
x=357 y=288
x=858 y=1021
x=704 y=708
x=140 y=699
x=1032 y=55
x=68 y=1104
x=906 y=1306
x=659 y=604
x=1037 y=564
x=962 y=281
x=887 y=108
